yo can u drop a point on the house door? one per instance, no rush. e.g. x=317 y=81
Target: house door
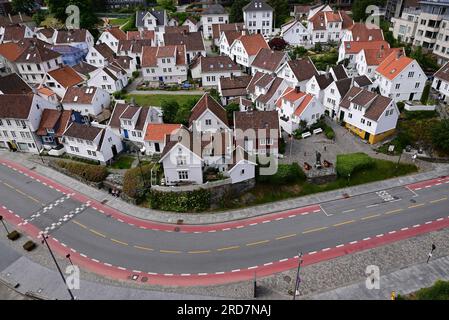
x=138 y=60
x=366 y=136
x=411 y=96
x=438 y=84
x=157 y=148
x=12 y=146
x=125 y=133
x=114 y=150
x=342 y=115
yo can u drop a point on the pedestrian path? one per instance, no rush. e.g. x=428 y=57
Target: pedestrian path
x=402 y=282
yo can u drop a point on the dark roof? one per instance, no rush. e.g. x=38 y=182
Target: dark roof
x=339 y=71
x=79 y=95
x=82 y=131
x=14 y=84
x=362 y=81
x=252 y=84
x=443 y=73
x=158 y=14
x=54 y=119
x=217 y=64
x=70 y=36
x=343 y=86
x=14 y=33
x=257 y=5
x=84 y=68
x=15 y=106
x=119 y=108
x=256 y=120
x=263 y=98
x=303 y=69
x=104 y=50
x=218 y=28
x=207 y=102
x=268 y=59
x=234 y=86
x=192 y=40
x=185 y=137
x=324 y=80
x=214 y=9
x=37 y=53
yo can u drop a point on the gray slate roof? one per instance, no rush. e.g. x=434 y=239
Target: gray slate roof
x=158 y=14
x=257 y=5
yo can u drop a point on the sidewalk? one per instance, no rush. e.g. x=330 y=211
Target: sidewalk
x=217 y=217
x=168 y=92
x=403 y=281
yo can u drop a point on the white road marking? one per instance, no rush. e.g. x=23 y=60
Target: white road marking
x=428 y=222
x=219 y=272
x=322 y=209
x=185 y=274
x=326 y=249
x=268 y=264
x=403 y=229
x=235 y=270
x=339 y=246
x=226 y=229
x=107 y=264
x=366 y=239
x=372 y=205
x=278 y=219
x=353 y=242
x=391 y=232
x=283 y=260
x=255 y=267
x=292 y=216
x=312 y=252
x=439 y=219
x=380 y=235
x=202 y=274
x=253 y=224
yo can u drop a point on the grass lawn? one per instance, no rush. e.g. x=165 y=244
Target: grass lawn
x=123 y=162
x=439 y=291
x=156 y=99
x=381 y=170
x=118 y=21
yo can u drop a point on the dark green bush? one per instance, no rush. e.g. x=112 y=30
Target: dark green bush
x=88 y=172
x=13 y=235
x=401 y=106
x=189 y=201
x=439 y=291
x=286 y=173
x=133 y=184
x=425 y=94
x=353 y=162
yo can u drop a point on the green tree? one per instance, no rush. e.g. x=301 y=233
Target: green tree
x=281 y=11
x=359 y=8
x=298 y=52
x=231 y=108
x=88 y=19
x=23 y=6
x=440 y=135
x=236 y=10
x=39 y=16
x=168 y=5
x=169 y=110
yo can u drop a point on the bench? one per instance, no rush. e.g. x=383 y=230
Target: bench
x=318 y=130
x=306 y=134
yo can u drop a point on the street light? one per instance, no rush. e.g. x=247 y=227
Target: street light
x=4 y=225
x=298 y=279
x=431 y=251
x=35 y=143
x=44 y=240
x=138 y=151
x=68 y=257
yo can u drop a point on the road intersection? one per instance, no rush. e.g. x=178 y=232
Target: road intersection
x=115 y=245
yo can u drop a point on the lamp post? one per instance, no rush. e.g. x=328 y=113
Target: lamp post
x=4 y=225
x=68 y=257
x=431 y=251
x=35 y=143
x=298 y=279
x=140 y=166
x=44 y=240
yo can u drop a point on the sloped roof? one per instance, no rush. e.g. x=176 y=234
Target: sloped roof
x=268 y=59
x=218 y=28
x=158 y=131
x=217 y=64
x=70 y=36
x=15 y=106
x=118 y=33
x=375 y=104
x=360 y=32
x=214 y=9
x=257 y=5
x=393 y=65
x=37 y=53
x=66 y=76
x=253 y=43
x=443 y=73
x=303 y=69
x=82 y=131
x=14 y=84
x=192 y=40
x=54 y=119
x=11 y=50
x=207 y=102
x=352 y=47
x=104 y=50
x=339 y=71
x=158 y=14
x=79 y=95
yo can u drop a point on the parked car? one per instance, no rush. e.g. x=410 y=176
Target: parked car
x=186 y=86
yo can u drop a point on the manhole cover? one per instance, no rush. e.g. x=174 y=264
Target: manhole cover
x=144 y=279
x=287 y=279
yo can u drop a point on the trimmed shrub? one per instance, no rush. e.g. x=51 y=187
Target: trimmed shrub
x=29 y=245
x=286 y=173
x=439 y=291
x=88 y=172
x=353 y=162
x=133 y=184
x=189 y=201
x=425 y=94
x=13 y=235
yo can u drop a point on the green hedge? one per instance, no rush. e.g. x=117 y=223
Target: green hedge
x=425 y=94
x=133 y=184
x=439 y=291
x=189 y=201
x=286 y=173
x=352 y=162
x=88 y=172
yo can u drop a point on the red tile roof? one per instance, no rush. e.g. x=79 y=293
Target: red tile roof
x=66 y=76
x=393 y=65
x=158 y=131
x=353 y=47
x=11 y=50
x=207 y=102
x=253 y=43
x=360 y=32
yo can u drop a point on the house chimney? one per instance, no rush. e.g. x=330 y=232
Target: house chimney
x=297 y=89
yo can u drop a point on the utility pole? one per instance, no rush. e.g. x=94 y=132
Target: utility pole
x=4 y=225
x=298 y=279
x=44 y=240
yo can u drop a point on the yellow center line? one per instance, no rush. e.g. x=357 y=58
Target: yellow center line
x=22 y=193
x=169 y=251
x=143 y=248
x=200 y=251
x=119 y=242
x=286 y=236
x=313 y=230
x=343 y=223
x=97 y=233
x=393 y=211
x=417 y=205
x=435 y=201
x=370 y=217
x=256 y=243
x=80 y=224
x=228 y=248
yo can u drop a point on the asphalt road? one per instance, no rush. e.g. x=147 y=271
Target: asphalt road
x=99 y=236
